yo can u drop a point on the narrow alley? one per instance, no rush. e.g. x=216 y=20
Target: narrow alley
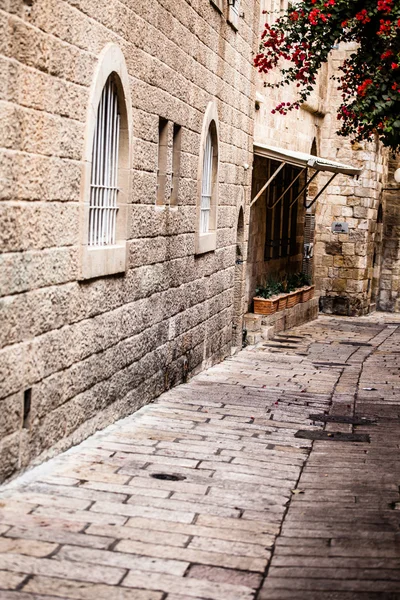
x=271 y=476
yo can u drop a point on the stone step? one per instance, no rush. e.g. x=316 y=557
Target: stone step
x=253 y=322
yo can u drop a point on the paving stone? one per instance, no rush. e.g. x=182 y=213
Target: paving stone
x=23 y=546
x=85 y=591
x=9 y=580
x=195 y=555
x=191 y=587
x=57 y=568
x=123 y=560
x=220 y=575
x=60 y=536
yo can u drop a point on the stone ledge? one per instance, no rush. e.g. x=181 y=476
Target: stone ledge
x=270 y=325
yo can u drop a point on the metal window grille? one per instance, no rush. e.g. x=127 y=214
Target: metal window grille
x=104 y=178
x=206 y=187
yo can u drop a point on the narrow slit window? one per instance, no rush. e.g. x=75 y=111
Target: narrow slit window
x=104 y=176
x=206 y=189
x=162 y=161
x=176 y=163
x=234 y=4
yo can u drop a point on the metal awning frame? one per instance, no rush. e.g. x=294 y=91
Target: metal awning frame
x=305 y=186
x=302 y=161
x=270 y=180
x=321 y=191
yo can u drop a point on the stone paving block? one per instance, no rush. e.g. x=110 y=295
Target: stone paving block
x=220 y=575
x=64 y=569
x=262 y=535
x=81 y=516
x=137 y=510
x=146 y=535
x=191 y=587
x=76 y=492
x=39 y=549
x=214 y=555
x=75 y=590
x=230 y=547
x=60 y=536
x=122 y=560
x=10 y=581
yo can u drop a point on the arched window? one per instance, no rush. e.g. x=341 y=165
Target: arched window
x=106 y=175
x=104 y=181
x=208 y=183
x=206 y=186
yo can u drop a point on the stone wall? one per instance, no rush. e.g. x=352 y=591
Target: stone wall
x=77 y=355
x=388 y=297
x=344 y=262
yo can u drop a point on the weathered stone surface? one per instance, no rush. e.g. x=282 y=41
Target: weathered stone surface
x=94 y=522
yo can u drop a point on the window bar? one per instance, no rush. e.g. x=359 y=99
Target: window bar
x=110 y=164
x=113 y=169
x=105 y=165
x=93 y=179
x=101 y=171
x=111 y=133
x=98 y=159
x=115 y=209
x=287 y=189
x=206 y=186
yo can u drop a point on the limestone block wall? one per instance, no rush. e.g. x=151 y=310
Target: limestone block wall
x=344 y=262
x=388 y=294
x=76 y=355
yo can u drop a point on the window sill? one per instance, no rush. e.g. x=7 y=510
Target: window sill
x=206 y=243
x=99 y=262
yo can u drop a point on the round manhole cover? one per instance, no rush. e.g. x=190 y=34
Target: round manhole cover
x=167 y=476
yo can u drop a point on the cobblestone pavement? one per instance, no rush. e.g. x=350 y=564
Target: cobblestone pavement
x=208 y=494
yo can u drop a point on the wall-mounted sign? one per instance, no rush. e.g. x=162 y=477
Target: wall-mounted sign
x=340 y=227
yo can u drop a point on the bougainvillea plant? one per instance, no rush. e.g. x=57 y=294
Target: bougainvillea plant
x=301 y=40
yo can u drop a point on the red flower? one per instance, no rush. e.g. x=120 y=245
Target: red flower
x=385 y=5
x=361 y=89
x=363 y=16
x=394 y=65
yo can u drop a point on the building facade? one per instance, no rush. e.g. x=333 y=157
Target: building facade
x=125 y=131
x=129 y=251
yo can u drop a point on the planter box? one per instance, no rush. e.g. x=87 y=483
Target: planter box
x=263 y=306
x=307 y=293
x=282 y=301
x=294 y=298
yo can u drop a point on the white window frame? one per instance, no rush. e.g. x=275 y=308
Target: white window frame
x=233 y=13
x=108 y=255
x=208 y=174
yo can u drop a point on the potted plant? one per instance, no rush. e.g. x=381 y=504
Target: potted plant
x=268 y=298
x=294 y=293
x=277 y=295
x=307 y=290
